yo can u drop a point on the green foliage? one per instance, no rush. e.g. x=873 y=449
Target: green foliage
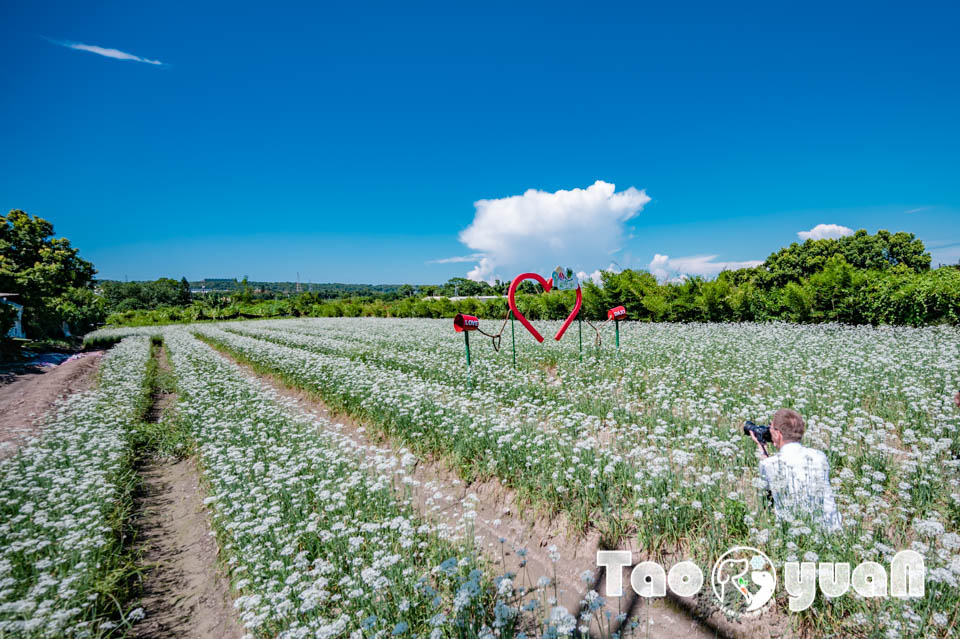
x=861 y=250
x=839 y=293
x=860 y=279
x=129 y=296
x=162 y=435
x=79 y=307
x=53 y=282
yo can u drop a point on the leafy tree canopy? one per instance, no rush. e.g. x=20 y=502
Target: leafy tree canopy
x=43 y=270
x=861 y=250
x=127 y=296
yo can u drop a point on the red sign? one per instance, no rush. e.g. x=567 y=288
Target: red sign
x=465 y=323
x=617 y=313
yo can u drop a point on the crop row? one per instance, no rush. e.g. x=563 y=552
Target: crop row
x=550 y=466
x=309 y=522
x=648 y=443
x=64 y=500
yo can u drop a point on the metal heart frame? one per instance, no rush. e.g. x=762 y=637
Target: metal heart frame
x=547 y=285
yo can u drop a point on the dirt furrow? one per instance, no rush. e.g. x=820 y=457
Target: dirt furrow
x=184 y=595
x=183 y=592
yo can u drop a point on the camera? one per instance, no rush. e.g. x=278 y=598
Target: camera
x=762 y=432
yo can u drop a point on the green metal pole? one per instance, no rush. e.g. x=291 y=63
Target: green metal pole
x=580 y=330
x=466 y=342
x=616 y=325
x=513 y=340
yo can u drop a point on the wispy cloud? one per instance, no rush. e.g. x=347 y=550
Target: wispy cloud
x=823 y=231
x=918 y=209
x=116 y=54
x=457 y=260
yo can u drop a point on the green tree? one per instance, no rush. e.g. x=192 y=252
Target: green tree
x=461 y=286
x=162 y=292
x=835 y=290
x=40 y=268
x=714 y=300
x=246 y=296
x=81 y=308
x=631 y=289
x=184 y=296
x=884 y=250
x=860 y=250
x=797 y=301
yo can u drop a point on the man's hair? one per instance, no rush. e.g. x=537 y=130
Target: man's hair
x=789 y=423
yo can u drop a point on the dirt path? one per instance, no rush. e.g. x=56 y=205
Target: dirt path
x=184 y=594
x=490 y=512
x=26 y=400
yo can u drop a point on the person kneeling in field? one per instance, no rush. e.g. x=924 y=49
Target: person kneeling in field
x=797 y=477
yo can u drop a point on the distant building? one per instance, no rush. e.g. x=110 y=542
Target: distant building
x=17 y=330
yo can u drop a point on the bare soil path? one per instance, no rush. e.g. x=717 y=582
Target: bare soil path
x=184 y=593
x=491 y=513
x=27 y=399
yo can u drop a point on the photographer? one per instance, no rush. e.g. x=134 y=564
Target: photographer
x=798 y=478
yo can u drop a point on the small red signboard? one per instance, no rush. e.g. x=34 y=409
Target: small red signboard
x=465 y=323
x=617 y=313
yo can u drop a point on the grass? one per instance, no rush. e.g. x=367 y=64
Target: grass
x=165 y=435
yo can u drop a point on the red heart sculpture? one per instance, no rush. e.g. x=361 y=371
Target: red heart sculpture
x=547 y=285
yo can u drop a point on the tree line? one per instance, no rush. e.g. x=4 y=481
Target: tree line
x=884 y=278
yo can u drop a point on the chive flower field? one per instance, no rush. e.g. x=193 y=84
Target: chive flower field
x=643 y=448
x=63 y=499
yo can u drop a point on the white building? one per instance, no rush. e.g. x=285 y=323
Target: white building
x=17 y=330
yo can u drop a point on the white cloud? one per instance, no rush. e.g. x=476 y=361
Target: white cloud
x=822 y=231
x=456 y=260
x=667 y=269
x=596 y=277
x=539 y=230
x=917 y=210
x=116 y=54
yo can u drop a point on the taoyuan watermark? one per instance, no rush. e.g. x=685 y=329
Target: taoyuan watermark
x=744 y=579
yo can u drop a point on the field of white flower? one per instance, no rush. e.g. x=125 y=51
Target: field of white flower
x=63 y=501
x=314 y=528
x=648 y=444
x=644 y=446
x=317 y=543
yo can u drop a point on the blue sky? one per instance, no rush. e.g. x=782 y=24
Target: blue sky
x=350 y=141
